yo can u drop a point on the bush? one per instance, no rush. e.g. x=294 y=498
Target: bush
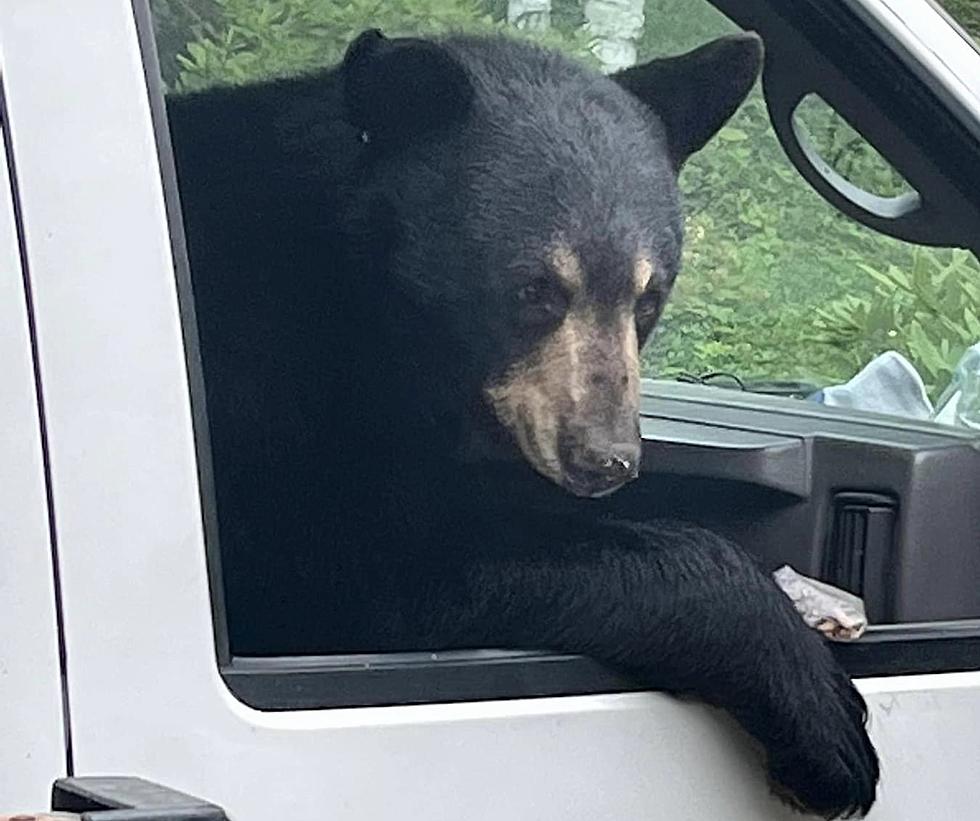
x=238 y=41
x=930 y=313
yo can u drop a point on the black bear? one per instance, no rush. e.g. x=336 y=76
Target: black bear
x=421 y=282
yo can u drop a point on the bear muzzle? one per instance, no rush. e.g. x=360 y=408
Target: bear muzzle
x=596 y=470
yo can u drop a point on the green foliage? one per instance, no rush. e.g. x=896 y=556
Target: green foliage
x=775 y=283
x=238 y=41
x=177 y=23
x=929 y=312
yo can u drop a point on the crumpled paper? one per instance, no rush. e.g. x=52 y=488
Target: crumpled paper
x=837 y=614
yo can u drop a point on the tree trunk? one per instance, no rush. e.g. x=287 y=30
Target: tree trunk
x=616 y=27
x=533 y=15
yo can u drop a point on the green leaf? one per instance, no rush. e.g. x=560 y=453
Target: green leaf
x=730 y=134
x=972 y=322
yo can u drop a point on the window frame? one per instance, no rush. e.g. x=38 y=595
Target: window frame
x=307 y=683
x=955 y=24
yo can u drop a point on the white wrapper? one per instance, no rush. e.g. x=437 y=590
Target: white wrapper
x=837 y=614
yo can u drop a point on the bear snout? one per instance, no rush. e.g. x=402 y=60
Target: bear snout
x=597 y=467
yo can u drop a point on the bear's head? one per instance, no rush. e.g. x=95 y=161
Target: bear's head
x=533 y=204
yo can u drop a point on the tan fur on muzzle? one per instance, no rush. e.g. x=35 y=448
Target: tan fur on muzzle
x=581 y=377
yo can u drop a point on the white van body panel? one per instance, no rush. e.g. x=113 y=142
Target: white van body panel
x=32 y=747
x=145 y=693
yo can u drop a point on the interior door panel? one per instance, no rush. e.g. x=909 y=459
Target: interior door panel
x=886 y=507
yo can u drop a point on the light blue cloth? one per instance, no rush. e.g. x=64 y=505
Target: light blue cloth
x=887 y=384
x=960 y=403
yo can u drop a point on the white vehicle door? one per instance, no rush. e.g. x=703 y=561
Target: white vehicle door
x=34 y=744
x=154 y=691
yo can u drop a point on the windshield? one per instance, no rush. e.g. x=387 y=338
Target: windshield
x=779 y=292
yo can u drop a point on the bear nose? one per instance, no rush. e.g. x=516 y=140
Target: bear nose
x=621 y=462
x=618 y=462
x=601 y=470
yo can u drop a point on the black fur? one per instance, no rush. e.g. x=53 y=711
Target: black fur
x=354 y=247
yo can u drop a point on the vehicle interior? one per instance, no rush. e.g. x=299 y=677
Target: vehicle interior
x=836 y=217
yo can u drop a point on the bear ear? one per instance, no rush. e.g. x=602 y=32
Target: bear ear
x=396 y=89
x=694 y=94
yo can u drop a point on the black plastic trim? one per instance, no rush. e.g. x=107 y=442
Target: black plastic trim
x=378 y=680
x=125 y=798
x=883 y=91
x=912 y=649
x=686 y=448
x=860 y=551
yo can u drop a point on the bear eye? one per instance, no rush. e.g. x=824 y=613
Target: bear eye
x=542 y=299
x=647 y=306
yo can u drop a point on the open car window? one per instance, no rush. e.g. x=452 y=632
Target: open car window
x=785 y=297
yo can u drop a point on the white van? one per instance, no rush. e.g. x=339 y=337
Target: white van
x=114 y=653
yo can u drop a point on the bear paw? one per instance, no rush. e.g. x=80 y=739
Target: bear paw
x=831 y=770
